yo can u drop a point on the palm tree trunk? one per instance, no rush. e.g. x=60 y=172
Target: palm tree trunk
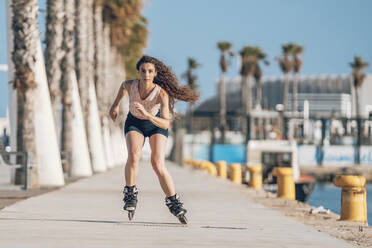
x=249 y=102
x=295 y=92
x=259 y=94
x=359 y=125
x=222 y=96
x=53 y=53
x=249 y=95
x=99 y=58
x=243 y=99
x=95 y=139
x=81 y=51
x=285 y=92
x=68 y=65
x=25 y=30
x=357 y=101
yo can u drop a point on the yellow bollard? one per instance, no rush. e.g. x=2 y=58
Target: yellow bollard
x=197 y=164
x=286 y=185
x=255 y=177
x=211 y=169
x=203 y=165
x=221 y=169
x=353 y=197
x=236 y=173
x=187 y=161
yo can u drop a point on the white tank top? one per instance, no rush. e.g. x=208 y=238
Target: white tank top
x=150 y=103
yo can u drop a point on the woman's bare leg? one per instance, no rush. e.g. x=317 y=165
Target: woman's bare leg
x=158 y=144
x=134 y=142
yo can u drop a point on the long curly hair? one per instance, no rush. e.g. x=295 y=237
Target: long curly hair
x=167 y=80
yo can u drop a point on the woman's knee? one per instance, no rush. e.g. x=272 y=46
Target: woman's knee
x=158 y=166
x=134 y=156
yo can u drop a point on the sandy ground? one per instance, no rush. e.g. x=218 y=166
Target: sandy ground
x=358 y=234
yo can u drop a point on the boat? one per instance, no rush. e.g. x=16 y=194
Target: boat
x=279 y=153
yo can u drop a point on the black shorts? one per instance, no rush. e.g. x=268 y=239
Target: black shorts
x=144 y=127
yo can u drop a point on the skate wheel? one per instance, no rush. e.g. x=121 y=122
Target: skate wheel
x=130 y=214
x=182 y=219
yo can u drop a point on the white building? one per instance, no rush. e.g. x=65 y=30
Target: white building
x=326 y=94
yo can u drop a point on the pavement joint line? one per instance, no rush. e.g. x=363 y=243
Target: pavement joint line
x=135 y=223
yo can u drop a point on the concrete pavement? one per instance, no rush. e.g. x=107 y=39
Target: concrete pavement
x=89 y=213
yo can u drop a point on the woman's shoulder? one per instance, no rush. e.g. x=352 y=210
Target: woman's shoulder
x=128 y=83
x=163 y=94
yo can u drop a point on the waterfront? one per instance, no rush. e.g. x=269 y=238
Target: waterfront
x=329 y=196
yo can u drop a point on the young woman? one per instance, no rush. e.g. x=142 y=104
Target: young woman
x=151 y=103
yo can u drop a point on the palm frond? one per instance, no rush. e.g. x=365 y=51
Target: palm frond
x=358 y=63
x=224 y=46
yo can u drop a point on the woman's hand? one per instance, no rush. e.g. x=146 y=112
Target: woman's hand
x=114 y=112
x=139 y=107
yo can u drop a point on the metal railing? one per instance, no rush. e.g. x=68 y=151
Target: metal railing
x=21 y=160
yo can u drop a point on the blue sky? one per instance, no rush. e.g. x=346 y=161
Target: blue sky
x=332 y=32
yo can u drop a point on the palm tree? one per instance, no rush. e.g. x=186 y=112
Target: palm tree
x=286 y=66
x=249 y=60
x=73 y=133
x=53 y=52
x=226 y=53
x=94 y=127
x=128 y=30
x=297 y=65
x=191 y=80
x=358 y=78
x=67 y=65
x=25 y=38
x=81 y=50
x=99 y=79
x=258 y=75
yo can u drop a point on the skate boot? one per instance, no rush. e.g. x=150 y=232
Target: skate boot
x=175 y=207
x=130 y=200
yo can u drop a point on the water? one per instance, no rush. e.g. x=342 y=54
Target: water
x=329 y=196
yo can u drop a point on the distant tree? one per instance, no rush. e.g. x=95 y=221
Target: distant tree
x=297 y=65
x=226 y=53
x=190 y=77
x=258 y=75
x=191 y=80
x=358 y=78
x=249 y=61
x=286 y=65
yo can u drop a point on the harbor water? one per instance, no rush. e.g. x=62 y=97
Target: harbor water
x=329 y=196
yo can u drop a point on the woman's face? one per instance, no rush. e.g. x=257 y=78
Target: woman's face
x=147 y=72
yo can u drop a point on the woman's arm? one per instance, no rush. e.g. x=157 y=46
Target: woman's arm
x=114 y=110
x=164 y=120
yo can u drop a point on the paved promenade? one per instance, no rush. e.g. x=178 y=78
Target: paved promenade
x=89 y=213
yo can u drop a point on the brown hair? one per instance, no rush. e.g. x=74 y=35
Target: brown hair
x=167 y=80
